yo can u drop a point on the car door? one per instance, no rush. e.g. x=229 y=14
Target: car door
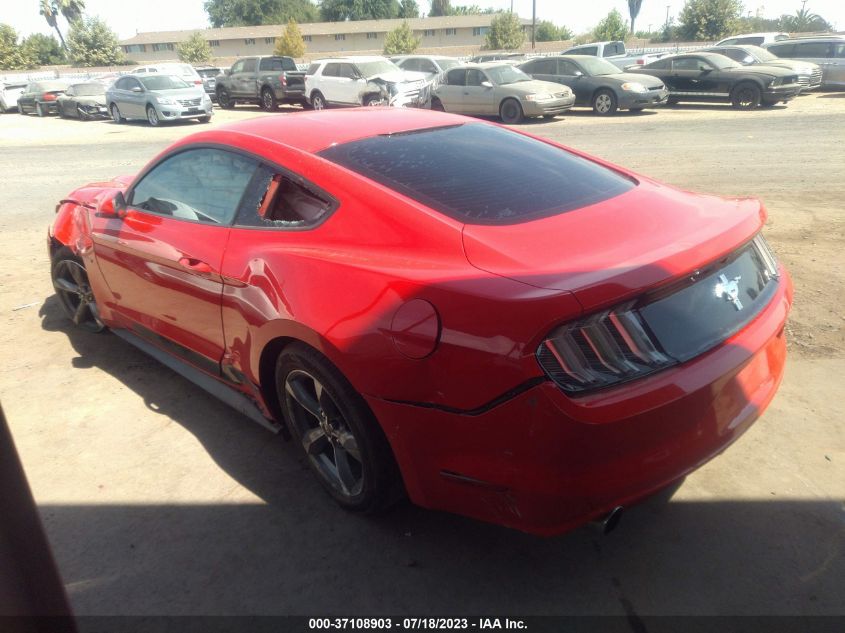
x=245 y=80
x=350 y=84
x=162 y=260
x=134 y=99
x=691 y=76
x=477 y=98
x=328 y=82
x=26 y=101
x=451 y=92
x=836 y=69
x=66 y=104
x=544 y=69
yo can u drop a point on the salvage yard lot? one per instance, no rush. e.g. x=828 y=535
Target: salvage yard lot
x=158 y=499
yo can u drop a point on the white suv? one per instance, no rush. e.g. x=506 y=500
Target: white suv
x=185 y=72
x=356 y=81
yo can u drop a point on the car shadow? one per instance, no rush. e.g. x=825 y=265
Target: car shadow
x=724 y=107
x=294 y=551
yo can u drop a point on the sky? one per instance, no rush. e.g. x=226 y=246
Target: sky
x=127 y=18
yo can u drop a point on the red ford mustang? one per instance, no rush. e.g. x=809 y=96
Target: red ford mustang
x=500 y=326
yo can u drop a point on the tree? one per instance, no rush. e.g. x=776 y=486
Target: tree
x=49 y=10
x=92 y=43
x=505 y=32
x=70 y=9
x=612 y=27
x=194 y=50
x=634 y=11
x=255 y=12
x=803 y=21
x=43 y=49
x=401 y=40
x=440 y=7
x=12 y=55
x=341 y=10
x=291 y=42
x=708 y=19
x=548 y=32
x=470 y=9
x=409 y=9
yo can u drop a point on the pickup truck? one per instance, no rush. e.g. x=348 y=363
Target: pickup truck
x=613 y=52
x=267 y=81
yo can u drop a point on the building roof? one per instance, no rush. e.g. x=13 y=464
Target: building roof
x=316 y=28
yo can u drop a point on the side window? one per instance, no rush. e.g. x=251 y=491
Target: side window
x=782 y=50
x=410 y=64
x=566 y=67
x=238 y=67
x=70 y=92
x=813 y=49
x=120 y=84
x=475 y=77
x=688 y=63
x=347 y=71
x=660 y=64
x=331 y=70
x=204 y=185
x=275 y=200
x=730 y=41
x=312 y=69
x=736 y=54
x=544 y=67
x=131 y=82
x=250 y=65
x=756 y=41
x=612 y=49
x=427 y=66
x=457 y=77
x=270 y=63
x=839 y=51
x=589 y=50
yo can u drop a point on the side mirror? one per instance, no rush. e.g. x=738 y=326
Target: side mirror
x=112 y=206
x=486 y=84
x=137 y=89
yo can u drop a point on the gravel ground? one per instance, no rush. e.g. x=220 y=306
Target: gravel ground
x=157 y=499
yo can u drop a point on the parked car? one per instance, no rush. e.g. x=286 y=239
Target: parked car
x=509 y=329
x=209 y=74
x=429 y=65
x=753 y=39
x=809 y=75
x=84 y=101
x=266 y=81
x=185 y=72
x=157 y=98
x=40 y=97
x=614 y=52
x=499 y=89
x=516 y=58
x=9 y=94
x=363 y=81
x=598 y=84
x=828 y=52
x=712 y=77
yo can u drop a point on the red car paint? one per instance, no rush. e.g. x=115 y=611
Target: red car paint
x=436 y=322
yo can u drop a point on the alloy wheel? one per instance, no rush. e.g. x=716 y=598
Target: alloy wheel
x=603 y=103
x=152 y=116
x=326 y=436
x=71 y=283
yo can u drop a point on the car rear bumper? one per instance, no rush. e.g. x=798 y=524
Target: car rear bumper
x=545 y=463
x=549 y=107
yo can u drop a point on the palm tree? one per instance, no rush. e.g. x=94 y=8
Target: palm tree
x=803 y=20
x=71 y=9
x=634 y=11
x=49 y=10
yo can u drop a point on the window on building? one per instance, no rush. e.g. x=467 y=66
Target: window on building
x=429 y=33
x=214 y=43
x=450 y=31
x=480 y=30
x=135 y=48
x=372 y=36
x=306 y=38
x=269 y=40
x=163 y=47
x=249 y=41
x=340 y=36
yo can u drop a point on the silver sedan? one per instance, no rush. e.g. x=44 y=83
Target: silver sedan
x=157 y=98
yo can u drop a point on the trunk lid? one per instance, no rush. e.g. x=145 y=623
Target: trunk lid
x=618 y=248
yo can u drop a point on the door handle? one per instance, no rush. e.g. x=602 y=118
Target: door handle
x=196 y=265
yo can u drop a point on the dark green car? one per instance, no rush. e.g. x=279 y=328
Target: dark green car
x=598 y=84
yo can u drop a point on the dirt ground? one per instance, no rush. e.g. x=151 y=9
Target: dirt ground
x=158 y=499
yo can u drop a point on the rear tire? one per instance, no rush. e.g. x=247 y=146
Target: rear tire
x=437 y=105
x=268 y=100
x=343 y=443
x=746 y=96
x=511 y=112
x=39 y=110
x=605 y=103
x=318 y=101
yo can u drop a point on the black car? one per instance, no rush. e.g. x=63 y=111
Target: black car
x=497 y=57
x=84 y=101
x=712 y=77
x=40 y=97
x=809 y=74
x=209 y=78
x=597 y=83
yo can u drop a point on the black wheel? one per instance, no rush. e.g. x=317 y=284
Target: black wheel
x=605 y=103
x=746 y=96
x=21 y=110
x=2 y=108
x=437 y=104
x=204 y=119
x=116 y=116
x=62 y=114
x=318 y=101
x=39 y=110
x=510 y=111
x=224 y=100
x=374 y=100
x=268 y=100
x=70 y=281
x=343 y=443
x=152 y=116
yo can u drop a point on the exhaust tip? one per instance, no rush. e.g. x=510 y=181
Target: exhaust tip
x=611 y=520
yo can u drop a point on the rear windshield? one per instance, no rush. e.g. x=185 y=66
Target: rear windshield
x=481 y=174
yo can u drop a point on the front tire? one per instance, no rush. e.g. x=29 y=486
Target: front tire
x=374 y=100
x=605 y=103
x=70 y=280
x=204 y=119
x=746 y=96
x=511 y=112
x=268 y=100
x=224 y=100
x=115 y=114
x=318 y=101
x=152 y=116
x=344 y=445
x=437 y=105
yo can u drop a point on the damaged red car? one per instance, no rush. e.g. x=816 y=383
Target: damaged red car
x=488 y=322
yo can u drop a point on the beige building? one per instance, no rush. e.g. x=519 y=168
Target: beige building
x=320 y=37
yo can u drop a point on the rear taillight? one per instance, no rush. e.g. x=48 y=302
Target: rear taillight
x=640 y=62
x=283 y=80
x=607 y=348
x=48 y=96
x=198 y=82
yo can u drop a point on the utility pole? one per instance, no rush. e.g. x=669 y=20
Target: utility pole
x=667 y=14
x=533 y=23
